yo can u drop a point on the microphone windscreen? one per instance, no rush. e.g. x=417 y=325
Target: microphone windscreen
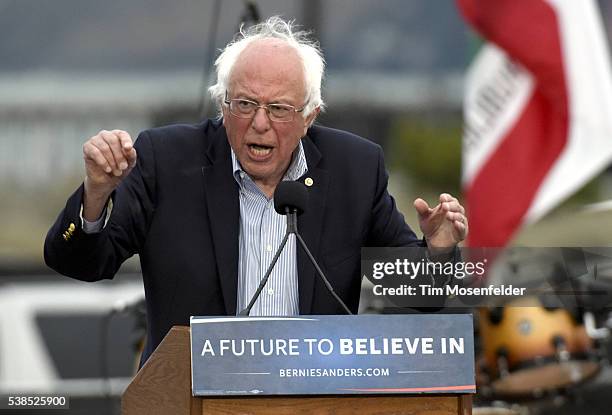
x=290 y=194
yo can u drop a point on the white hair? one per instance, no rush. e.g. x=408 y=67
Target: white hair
x=277 y=28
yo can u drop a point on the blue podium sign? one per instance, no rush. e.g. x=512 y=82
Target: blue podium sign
x=303 y=355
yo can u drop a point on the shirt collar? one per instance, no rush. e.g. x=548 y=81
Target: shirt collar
x=297 y=167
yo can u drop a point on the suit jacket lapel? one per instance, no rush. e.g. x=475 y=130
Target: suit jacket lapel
x=310 y=223
x=221 y=192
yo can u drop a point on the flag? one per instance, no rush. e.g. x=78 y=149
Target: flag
x=537 y=111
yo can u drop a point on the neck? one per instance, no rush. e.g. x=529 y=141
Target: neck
x=267 y=186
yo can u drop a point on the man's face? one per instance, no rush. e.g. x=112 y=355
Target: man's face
x=267 y=71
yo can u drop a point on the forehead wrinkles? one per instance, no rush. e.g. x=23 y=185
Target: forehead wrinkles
x=269 y=67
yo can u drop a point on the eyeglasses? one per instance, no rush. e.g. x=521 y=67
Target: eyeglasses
x=244 y=108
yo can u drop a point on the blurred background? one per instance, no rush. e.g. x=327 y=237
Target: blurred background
x=70 y=68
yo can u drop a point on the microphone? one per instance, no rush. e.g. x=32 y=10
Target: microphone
x=291 y=196
x=291 y=199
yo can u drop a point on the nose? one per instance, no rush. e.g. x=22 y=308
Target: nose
x=261 y=121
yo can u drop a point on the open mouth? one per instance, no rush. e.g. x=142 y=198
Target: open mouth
x=260 y=150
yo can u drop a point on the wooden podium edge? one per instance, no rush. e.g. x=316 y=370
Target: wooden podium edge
x=163 y=383
x=341 y=405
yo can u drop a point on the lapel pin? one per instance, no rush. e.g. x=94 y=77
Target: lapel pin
x=308 y=182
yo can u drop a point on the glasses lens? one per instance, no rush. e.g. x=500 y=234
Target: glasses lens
x=242 y=107
x=280 y=112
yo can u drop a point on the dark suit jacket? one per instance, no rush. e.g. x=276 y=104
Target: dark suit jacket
x=178 y=209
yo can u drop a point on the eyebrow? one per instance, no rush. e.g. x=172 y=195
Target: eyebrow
x=250 y=98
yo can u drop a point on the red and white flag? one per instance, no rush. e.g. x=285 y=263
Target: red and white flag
x=537 y=111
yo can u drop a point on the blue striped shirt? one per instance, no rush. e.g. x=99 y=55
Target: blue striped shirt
x=260 y=235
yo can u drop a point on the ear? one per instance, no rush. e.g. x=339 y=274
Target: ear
x=224 y=112
x=310 y=119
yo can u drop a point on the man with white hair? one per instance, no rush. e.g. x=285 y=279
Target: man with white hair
x=195 y=201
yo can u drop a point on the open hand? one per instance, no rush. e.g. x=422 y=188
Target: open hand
x=444 y=225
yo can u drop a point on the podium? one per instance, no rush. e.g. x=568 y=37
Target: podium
x=163 y=386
